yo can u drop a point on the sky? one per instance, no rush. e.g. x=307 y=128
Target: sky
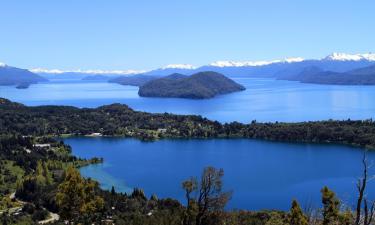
x=142 y=35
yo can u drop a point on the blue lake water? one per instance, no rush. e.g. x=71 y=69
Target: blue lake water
x=261 y=174
x=264 y=100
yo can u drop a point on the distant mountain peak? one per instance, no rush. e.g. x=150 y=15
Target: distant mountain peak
x=57 y=71
x=294 y=59
x=254 y=63
x=179 y=66
x=336 y=56
x=3 y=64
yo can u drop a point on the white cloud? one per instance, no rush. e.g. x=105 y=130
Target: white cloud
x=3 y=64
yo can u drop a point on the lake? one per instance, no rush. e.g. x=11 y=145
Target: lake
x=261 y=174
x=264 y=100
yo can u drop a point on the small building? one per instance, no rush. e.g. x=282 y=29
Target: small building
x=162 y=130
x=42 y=145
x=95 y=135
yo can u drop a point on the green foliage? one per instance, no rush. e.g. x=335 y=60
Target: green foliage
x=77 y=196
x=331 y=207
x=346 y=218
x=139 y=194
x=277 y=219
x=10 y=175
x=42 y=173
x=296 y=216
x=117 y=119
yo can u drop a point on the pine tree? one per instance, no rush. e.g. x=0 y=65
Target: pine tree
x=47 y=174
x=91 y=202
x=113 y=191
x=70 y=195
x=296 y=216
x=154 y=197
x=39 y=172
x=331 y=206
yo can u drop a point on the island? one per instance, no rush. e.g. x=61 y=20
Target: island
x=23 y=86
x=200 y=85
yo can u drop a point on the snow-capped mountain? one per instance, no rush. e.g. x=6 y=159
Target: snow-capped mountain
x=3 y=64
x=114 y=72
x=186 y=69
x=253 y=63
x=334 y=61
x=337 y=62
x=81 y=74
x=350 y=57
x=179 y=66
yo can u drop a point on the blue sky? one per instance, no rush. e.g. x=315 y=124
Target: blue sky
x=140 y=34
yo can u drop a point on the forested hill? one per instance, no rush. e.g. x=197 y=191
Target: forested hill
x=117 y=119
x=197 y=86
x=362 y=76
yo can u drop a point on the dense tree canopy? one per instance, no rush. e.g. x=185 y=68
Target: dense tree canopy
x=120 y=120
x=42 y=171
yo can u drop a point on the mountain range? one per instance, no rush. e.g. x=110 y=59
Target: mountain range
x=337 y=66
x=134 y=80
x=336 y=62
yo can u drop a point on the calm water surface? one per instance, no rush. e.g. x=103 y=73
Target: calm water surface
x=264 y=100
x=261 y=174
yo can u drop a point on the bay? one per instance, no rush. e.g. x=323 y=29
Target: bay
x=261 y=174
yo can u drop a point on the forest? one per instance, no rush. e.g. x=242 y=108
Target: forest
x=40 y=180
x=120 y=120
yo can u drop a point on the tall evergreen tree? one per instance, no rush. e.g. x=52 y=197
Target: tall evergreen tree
x=70 y=194
x=113 y=191
x=296 y=216
x=76 y=196
x=331 y=206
